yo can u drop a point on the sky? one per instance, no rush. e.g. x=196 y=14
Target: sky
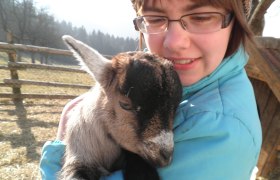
x=272 y=19
x=115 y=16
x=110 y=16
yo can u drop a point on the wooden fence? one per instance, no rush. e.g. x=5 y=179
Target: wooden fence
x=16 y=83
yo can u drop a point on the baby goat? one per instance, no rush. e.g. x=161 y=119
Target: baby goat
x=125 y=121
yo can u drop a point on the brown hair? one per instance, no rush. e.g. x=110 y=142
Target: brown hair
x=241 y=33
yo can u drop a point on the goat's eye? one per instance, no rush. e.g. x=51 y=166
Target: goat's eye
x=125 y=106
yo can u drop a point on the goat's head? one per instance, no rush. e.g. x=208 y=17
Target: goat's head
x=143 y=92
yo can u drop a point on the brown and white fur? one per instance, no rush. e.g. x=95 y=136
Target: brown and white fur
x=125 y=121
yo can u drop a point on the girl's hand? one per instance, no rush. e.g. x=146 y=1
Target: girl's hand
x=65 y=116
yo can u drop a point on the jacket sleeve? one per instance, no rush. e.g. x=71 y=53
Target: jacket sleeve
x=212 y=146
x=50 y=163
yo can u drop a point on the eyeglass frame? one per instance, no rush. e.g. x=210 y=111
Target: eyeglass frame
x=226 y=19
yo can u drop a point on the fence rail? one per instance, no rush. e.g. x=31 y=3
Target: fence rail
x=16 y=83
x=19 y=83
x=21 y=66
x=7 y=47
x=36 y=96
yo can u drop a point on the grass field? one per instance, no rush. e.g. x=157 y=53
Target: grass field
x=25 y=127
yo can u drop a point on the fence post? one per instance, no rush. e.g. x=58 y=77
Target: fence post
x=14 y=74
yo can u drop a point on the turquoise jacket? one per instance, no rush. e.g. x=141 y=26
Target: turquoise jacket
x=217 y=131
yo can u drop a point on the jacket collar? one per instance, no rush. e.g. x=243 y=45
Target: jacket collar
x=229 y=65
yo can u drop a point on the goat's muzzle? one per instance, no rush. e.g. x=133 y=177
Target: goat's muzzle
x=159 y=150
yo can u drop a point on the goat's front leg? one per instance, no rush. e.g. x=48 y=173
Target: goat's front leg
x=136 y=168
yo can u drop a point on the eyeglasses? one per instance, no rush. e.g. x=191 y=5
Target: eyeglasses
x=198 y=23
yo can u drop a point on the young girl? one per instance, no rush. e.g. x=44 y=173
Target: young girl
x=217 y=132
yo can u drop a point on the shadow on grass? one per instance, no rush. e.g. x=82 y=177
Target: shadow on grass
x=26 y=137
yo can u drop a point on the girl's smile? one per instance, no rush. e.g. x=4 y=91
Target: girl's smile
x=184 y=63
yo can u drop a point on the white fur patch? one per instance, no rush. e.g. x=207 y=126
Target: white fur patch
x=164 y=139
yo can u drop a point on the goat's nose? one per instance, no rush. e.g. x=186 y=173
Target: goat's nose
x=166 y=156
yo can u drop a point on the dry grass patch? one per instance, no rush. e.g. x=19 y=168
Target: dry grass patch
x=26 y=126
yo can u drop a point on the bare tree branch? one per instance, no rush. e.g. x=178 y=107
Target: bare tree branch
x=256 y=21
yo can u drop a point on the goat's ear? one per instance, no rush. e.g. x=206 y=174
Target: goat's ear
x=93 y=62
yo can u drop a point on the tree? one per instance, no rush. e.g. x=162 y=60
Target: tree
x=256 y=20
x=30 y=25
x=6 y=16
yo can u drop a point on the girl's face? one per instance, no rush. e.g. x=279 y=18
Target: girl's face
x=194 y=56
